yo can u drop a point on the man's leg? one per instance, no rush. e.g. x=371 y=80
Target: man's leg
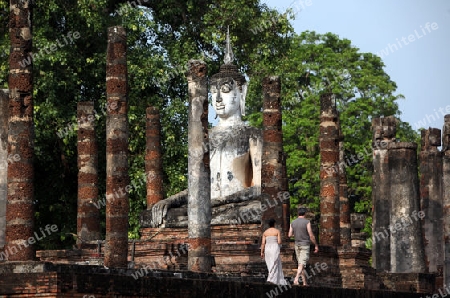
x=306 y=259
x=300 y=265
x=304 y=277
x=299 y=272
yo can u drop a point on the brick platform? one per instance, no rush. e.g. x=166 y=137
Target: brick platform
x=236 y=252
x=40 y=279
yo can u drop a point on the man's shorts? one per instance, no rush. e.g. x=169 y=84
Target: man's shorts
x=302 y=253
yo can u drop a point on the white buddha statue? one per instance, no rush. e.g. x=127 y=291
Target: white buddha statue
x=235 y=152
x=235 y=148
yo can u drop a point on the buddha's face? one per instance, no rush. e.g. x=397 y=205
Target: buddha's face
x=226 y=98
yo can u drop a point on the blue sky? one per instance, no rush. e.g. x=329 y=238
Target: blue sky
x=417 y=57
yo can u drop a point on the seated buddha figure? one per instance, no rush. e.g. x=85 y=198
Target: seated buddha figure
x=235 y=157
x=235 y=148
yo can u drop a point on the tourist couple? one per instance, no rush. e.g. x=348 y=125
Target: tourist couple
x=301 y=230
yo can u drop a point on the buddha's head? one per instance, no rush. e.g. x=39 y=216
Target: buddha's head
x=228 y=89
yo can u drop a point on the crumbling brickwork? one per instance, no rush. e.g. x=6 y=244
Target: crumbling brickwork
x=329 y=176
x=153 y=157
x=20 y=210
x=446 y=196
x=344 y=207
x=273 y=175
x=88 y=215
x=117 y=179
x=4 y=104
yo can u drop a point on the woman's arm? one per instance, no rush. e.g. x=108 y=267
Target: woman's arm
x=279 y=237
x=263 y=244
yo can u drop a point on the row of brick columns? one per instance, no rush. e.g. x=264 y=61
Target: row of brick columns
x=88 y=220
x=117 y=178
x=404 y=240
x=20 y=213
x=397 y=243
x=19 y=217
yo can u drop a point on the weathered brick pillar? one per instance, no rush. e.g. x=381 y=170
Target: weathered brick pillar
x=88 y=215
x=446 y=196
x=431 y=198
x=19 y=209
x=199 y=197
x=4 y=108
x=384 y=130
x=329 y=178
x=286 y=199
x=153 y=158
x=344 y=207
x=117 y=179
x=407 y=250
x=272 y=171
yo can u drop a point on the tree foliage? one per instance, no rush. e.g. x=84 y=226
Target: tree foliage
x=162 y=36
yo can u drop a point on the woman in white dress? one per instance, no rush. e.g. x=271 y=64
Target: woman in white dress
x=270 y=251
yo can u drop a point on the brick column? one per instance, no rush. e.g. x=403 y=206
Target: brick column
x=273 y=178
x=407 y=250
x=329 y=179
x=344 y=207
x=286 y=199
x=117 y=179
x=4 y=107
x=431 y=198
x=199 y=197
x=446 y=196
x=153 y=158
x=384 y=130
x=88 y=216
x=19 y=209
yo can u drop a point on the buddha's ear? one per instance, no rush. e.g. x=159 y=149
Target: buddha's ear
x=243 y=95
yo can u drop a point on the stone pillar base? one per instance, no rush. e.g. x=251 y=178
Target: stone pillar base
x=409 y=282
